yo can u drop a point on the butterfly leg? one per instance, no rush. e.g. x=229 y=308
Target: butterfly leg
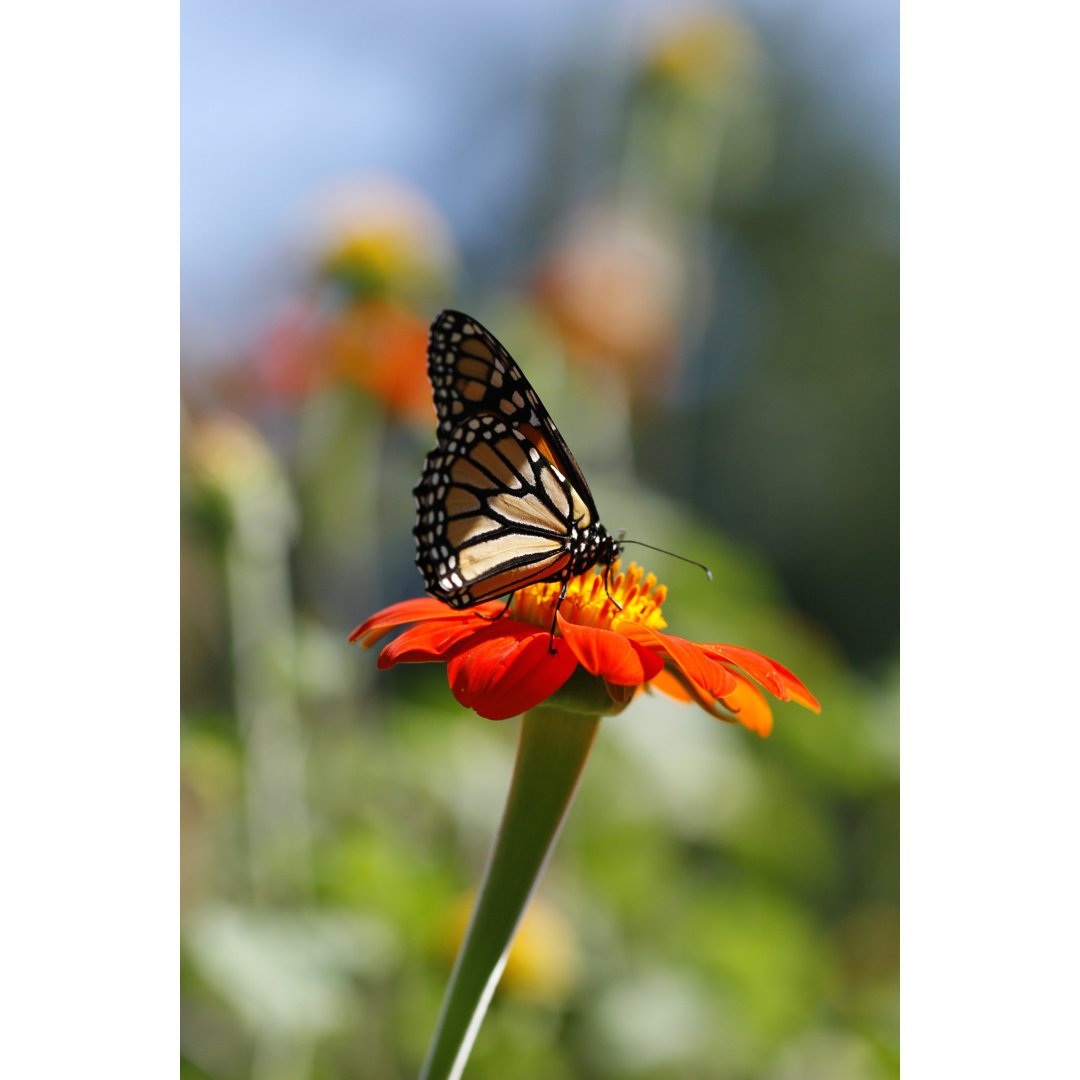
x=607 y=574
x=495 y=618
x=555 y=617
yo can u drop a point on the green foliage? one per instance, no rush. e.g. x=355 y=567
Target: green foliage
x=731 y=902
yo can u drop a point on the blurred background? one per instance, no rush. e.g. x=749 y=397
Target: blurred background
x=683 y=222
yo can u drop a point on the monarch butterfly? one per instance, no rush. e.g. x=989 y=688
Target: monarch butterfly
x=501 y=502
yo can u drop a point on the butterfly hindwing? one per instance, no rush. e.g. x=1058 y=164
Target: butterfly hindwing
x=493 y=514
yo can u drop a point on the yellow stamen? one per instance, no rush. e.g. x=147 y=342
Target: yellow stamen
x=587 y=602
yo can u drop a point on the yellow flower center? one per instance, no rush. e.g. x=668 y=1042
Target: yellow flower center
x=588 y=603
x=382 y=252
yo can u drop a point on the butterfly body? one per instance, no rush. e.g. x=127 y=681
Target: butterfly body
x=501 y=502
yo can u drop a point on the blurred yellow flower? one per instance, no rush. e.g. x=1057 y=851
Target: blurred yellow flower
x=228 y=454
x=378 y=236
x=704 y=53
x=544 y=962
x=702 y=117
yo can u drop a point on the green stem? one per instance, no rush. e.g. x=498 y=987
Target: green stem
x=553 y=746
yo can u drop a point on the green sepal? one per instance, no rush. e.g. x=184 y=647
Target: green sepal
x=585 y=694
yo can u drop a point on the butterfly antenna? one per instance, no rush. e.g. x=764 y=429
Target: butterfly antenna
x=664 y=551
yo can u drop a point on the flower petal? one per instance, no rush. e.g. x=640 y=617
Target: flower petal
x=749 y=705
x=508 y=670
x=614 y=656
x=419 y=609
x=668 y=684
x=692 y=661
x=745 y=705
x=773 y=676
x=433 y=640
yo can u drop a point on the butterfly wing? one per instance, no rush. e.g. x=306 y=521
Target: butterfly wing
x=473 y=375
x=494 y=514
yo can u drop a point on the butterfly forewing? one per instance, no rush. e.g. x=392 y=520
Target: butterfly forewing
x=472 y=374
x=501 y=502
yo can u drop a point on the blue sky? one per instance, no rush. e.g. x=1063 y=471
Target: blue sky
x=280 y=97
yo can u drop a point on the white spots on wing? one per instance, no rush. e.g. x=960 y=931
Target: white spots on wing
x=555 y=492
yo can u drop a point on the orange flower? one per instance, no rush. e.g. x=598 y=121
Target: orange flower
x=503 y=666
x=613 y=290
x=378 y=345
x=382 y=348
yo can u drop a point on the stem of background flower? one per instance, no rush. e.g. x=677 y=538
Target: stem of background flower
x=340 y=469
x=553 y=746
x=275 y=784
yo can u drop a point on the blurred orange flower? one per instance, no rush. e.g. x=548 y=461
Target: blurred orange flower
x=377 y=345
x=614 y=290
x=382 y=348
x=503 y=666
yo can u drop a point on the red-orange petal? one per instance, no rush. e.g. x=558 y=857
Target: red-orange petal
x=749 y=705
x=435 y=640
x=692 y=661
x=772 y=675
x=745 y=705
x=614 y=656
x=419 y=609
x=668 y=684
x=508 y=670
x=693 y=693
